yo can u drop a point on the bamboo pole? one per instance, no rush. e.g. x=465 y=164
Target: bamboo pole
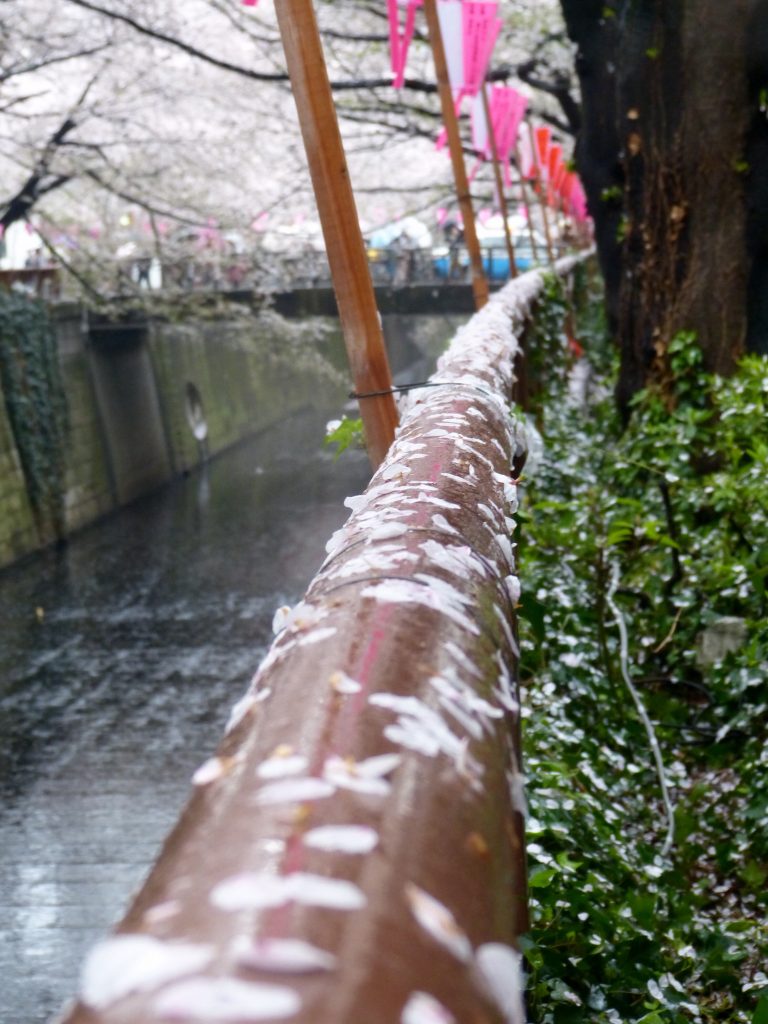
x=540 y=176
x=341 y=228
x=499 y=183
x=479 y=282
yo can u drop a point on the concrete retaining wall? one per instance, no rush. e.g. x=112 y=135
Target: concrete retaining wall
x=136 y=389
x=128 y=390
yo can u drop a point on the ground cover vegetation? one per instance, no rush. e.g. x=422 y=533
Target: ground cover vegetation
x=660 y=524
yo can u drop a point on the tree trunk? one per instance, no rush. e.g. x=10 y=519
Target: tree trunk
x=669 y=89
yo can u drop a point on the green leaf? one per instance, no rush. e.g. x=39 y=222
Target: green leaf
x=540 y=877
x=533 y=611
x=564 y=860
x=345 y=434
x=760 y=1016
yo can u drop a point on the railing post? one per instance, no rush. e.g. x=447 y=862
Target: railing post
x=341 y=228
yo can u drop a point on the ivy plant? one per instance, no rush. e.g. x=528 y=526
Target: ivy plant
x=36 y=405
x=663 y=521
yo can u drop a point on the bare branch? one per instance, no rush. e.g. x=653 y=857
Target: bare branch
x=179 y=44
x=13 y=71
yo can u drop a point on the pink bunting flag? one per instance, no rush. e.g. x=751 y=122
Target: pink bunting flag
x=554 y=162
x=559 y=182
x=480 y=30
x=511 y=111
x=400 y=38
x=566 y=188
x=554 y=166
x=249 y=3
x=507 y=107
x=527 y=158
x=543 y=136
x=579 y=202
x=469 y=30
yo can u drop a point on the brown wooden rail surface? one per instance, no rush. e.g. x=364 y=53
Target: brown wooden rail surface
x=354 y=852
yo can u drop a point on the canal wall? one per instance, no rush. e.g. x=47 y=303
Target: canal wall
x=150 y=398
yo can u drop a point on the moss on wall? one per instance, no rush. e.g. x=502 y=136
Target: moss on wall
x=35 y=406
x=17 y=525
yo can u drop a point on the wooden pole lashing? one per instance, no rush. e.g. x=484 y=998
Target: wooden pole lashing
x=338 y=216
x=479 y=281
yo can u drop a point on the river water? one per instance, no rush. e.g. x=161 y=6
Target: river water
x=120 y=657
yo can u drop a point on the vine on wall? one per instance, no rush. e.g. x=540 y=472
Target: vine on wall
x=35 y=401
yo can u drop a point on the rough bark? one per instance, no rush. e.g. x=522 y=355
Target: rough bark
x=757 y=178
x=669 y=90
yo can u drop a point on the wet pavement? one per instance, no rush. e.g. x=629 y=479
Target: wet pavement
x=120 y=657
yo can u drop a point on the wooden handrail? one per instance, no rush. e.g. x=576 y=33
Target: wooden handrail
x=354 y=851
